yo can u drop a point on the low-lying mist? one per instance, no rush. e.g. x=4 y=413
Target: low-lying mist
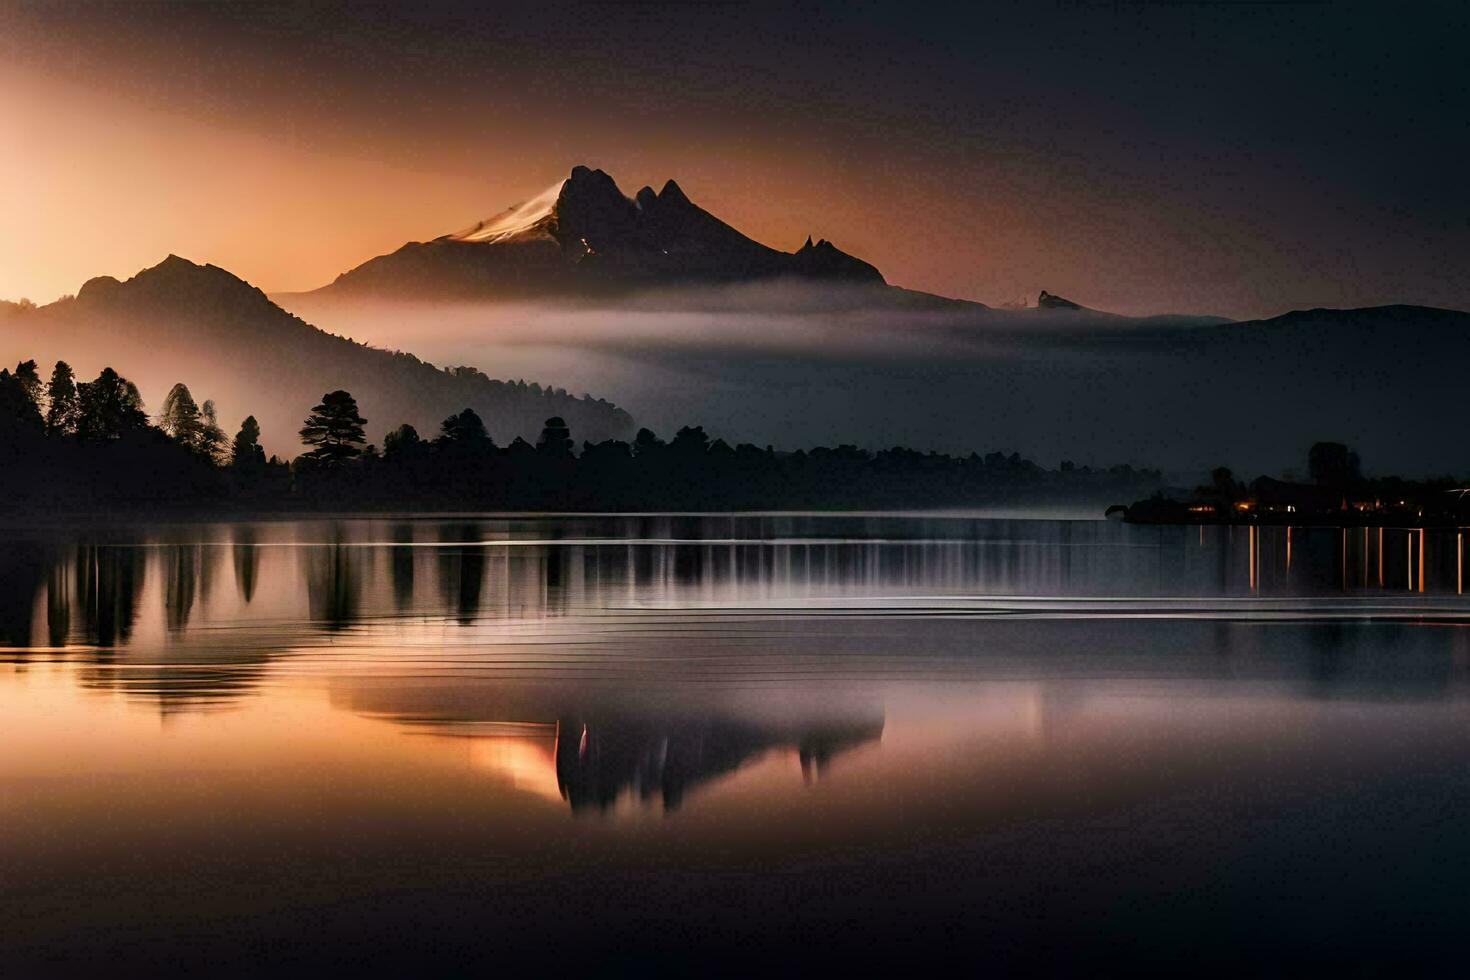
x=796 y=366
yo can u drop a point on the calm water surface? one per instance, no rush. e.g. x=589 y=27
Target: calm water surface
x=710 y=744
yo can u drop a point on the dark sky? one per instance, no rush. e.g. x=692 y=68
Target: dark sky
x=1240 y=158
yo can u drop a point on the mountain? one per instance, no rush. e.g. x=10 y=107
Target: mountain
x=1048 y=301
x=584 y=236
x=583 y=239
x=226 y=340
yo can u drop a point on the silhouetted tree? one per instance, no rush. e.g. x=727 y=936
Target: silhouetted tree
x=109 y=407
x=401 y=441
x=30 y=381
x=646 y=442
x=245 y=452
x=464 y=469
x=465 y=427
x=180 y=418
x=61 y=401
x=212 y=440
x=1332 y=464
x=1222 y=481
x=16 y=407
x=556 y=438
x=334 y=429
x=690 y=441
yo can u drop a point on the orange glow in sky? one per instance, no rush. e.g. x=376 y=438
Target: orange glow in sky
x=289 y=145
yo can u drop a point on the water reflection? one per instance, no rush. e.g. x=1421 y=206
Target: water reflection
x=184 y=573
x=22 y=568
x=109 y=584
x=263 y=736
x=461 y=570
x=401 y=559
x=334 y=573
x=672 y=585
x=246 y=555
x=603 y=746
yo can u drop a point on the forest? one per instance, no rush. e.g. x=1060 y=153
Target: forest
x=82 y=447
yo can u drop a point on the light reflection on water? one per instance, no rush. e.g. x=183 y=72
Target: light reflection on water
x=1045 y=708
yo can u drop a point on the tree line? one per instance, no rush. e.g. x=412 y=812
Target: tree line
x=92 y=444
x=1336 y=493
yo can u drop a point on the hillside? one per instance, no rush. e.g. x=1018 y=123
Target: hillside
x=199 y=324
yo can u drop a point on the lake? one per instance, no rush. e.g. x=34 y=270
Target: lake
x=720 y=744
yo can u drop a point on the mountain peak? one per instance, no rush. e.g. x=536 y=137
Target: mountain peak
x=177 y=270
x=583 y=234
x=586 y=177
x=591 y=213
x=826 y=261
x=176 y=281
x=1050 y=301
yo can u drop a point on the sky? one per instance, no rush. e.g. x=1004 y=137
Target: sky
x=1236 y=158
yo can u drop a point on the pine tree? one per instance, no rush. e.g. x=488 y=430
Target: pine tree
x=466 y=427
x=30 y=381
x=212 y=440
x=402 y=441
x=16 y=407
x=61 y=401
x=246 y=453
x=334 y=429
x=109 y=407
x=556 y=438
x=180 y=418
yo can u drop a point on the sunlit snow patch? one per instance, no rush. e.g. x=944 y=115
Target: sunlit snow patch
x=521 y=220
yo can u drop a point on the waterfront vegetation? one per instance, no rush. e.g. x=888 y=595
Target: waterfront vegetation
x=82 y=447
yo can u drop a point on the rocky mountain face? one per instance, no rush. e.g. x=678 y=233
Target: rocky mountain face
x=586 y=237
x=227 y=341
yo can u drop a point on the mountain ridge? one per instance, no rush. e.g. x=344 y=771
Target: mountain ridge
x=227 y=340
x=584 y=236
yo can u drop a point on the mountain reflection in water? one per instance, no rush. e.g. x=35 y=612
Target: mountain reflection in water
x=400 y=739
x=598 y=748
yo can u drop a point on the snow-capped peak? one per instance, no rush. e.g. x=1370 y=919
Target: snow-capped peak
x=524 y=219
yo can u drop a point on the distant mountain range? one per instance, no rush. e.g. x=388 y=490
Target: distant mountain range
x=679 y=314
x=226 y=340
x=582 y=239
x=584 y=236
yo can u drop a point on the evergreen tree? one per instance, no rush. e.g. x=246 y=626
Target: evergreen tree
x=334 y=429
x=246 y=453
x=646 y=442
x=16 y=407
x=180 y=418
x=30 y=381
x=401 y=441
x=61 y=401
x=109 y=407
x=465 y=427
x=556 y=438
x=212 y=440
x=690 y=441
